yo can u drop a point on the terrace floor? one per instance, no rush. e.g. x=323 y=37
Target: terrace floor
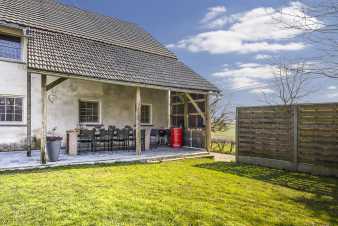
x=19 y=161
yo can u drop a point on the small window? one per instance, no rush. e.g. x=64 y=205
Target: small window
x=10 y=47
x=11 y=109
x=89 y=112
x=146 y=114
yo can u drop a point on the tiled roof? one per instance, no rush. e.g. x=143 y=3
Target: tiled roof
x=53 y=16
x=50 y=51
x=68 y=40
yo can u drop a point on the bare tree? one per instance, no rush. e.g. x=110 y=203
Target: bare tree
x=220 y=115
x=290 y=84
x=317 y=20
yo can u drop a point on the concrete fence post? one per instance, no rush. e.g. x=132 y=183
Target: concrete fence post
x=295 y=114
x=237 y=135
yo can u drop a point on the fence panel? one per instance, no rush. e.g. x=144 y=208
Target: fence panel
x=300 y=134
x=318 y=134
x=265 y=132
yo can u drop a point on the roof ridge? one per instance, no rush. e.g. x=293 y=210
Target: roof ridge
x=94 y=13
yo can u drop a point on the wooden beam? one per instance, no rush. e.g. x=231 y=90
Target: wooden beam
x=132 y=84
x=169 y=109
x=55 y=83
x=186 y=115
x=207 y=124
x=44 y=118
x=29 y=113
x=196 y=106
x=138 y=121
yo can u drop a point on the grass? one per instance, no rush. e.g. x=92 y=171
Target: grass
x=228 y=134
x=223 y=148
x=190 y=192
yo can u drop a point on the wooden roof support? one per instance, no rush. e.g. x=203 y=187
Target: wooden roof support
x=169 y=109
x=138 y=138
x=29 y=113
x=44 y=119
x=55 y=83
x=196 y=106
x=207 y=124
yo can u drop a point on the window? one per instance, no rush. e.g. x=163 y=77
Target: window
x=11 y=109
x=10 y=47
x=146 y=114
x=89 y=111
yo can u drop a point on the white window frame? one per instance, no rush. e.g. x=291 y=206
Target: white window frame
x=22 y=47
x=151 y=114
x=99 y=122
x=23 y=120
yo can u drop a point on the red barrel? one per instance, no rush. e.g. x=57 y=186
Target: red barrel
x=176 y=135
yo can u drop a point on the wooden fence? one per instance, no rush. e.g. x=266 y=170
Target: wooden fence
x=300 y=137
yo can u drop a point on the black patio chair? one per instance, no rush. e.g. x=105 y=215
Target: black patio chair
x=143 y=139
x=119 y=139
x=111 y=135
x=153 y=138
x=131 y=138
x=102 y=139
x=88 y=137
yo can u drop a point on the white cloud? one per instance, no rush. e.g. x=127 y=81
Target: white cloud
x=252 y=31
x=218 y=42
x=261 y=91
x=250 y=76
x=332 y=88
x=262 y=57
x=332 y=95
x=212 y=13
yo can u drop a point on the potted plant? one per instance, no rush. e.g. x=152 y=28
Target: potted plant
x=53 y=146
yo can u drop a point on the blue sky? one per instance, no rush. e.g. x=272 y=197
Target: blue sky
x=231 y=43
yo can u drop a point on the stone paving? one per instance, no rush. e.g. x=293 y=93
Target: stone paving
x=19 y=161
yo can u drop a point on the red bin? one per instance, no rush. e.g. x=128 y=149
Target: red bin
x=176 y=135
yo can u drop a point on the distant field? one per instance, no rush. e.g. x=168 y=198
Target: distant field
x=228 y=134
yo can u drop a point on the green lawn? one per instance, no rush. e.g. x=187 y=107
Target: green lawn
x=228 y=134
x=190 y=192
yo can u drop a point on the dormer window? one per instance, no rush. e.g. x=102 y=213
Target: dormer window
x=10 y=47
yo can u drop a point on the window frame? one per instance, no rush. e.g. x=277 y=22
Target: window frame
x=150 y=123
x=99 y=121
x=23 y=112
x=22 y=48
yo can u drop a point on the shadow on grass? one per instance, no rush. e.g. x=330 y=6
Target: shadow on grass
x=324 y=189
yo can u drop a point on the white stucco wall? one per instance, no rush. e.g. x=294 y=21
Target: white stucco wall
x=117 y=104
x=13 y=83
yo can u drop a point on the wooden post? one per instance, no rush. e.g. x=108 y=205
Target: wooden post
x=207 y=124
x=44 y=118
x=237 y=135
x=138 y=120
x=295 y=136
x=169 y=109
x=186 y=114
x=29 y=113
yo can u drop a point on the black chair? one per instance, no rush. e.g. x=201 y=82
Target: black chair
x=131 y=138
x=118 y=138
x=111 y=135
x=153 y=138
x=143 y=139
x=163 y=137
x=87 y=136
x=125 y=138
x=102 y=138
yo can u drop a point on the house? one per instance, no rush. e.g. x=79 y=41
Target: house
x=62 y=67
